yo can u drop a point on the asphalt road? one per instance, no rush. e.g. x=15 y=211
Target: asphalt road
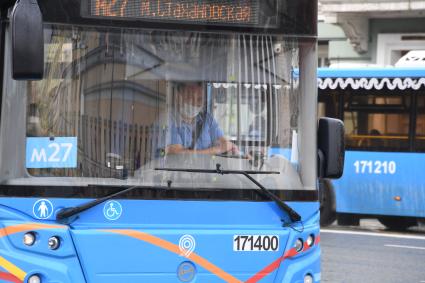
x=372 y=255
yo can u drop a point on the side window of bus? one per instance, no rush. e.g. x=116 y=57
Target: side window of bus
x=377 y=122
x=420 y=125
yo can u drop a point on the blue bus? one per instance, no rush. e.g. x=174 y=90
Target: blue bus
x=384 y=113
x=161 y=141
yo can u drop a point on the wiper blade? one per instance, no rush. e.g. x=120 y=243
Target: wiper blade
x=293 y=215
x=71 y=211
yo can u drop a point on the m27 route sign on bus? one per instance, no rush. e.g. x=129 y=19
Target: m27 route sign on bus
x=47 y=152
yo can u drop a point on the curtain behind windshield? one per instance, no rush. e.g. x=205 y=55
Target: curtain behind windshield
x=132 y=101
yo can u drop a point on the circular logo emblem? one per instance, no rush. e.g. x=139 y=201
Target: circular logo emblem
x=186 y=245
x=186 y=271
x=42 y=209
x=112 y=210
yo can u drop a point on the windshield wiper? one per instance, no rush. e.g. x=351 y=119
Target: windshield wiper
x=71 y=211
x=293 y=215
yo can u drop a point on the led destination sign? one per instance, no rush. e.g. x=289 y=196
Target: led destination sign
x=226 y=12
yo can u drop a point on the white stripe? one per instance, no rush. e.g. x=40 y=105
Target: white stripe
x=371 y=83
x=405 y=247
x=388 y=235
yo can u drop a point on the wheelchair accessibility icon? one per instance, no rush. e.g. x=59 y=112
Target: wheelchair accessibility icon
x=112 y=210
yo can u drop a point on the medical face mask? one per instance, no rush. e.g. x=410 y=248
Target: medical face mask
x=190 y=111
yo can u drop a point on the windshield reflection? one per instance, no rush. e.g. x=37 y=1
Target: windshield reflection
x=139 y=100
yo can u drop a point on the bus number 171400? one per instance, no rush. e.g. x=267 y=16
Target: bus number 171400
x=255 y=243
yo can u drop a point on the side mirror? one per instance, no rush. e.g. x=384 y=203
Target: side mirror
x=27 y=41
x=331 y=148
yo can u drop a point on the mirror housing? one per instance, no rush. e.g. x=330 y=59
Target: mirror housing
x=331 y=148
x=27 y=41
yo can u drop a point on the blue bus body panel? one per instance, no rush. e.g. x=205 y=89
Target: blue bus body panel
x=372 y=181
x=18 y=261
x=143 y=243
x=371 y=72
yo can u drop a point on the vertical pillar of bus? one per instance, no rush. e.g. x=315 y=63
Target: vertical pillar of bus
x=308 y=113
x=2 y=40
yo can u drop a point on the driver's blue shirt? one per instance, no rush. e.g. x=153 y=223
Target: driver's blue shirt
x=181 y=132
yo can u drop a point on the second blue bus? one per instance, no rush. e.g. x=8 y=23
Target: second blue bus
x=384 y=113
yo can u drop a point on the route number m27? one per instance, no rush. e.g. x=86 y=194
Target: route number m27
x=44 y=152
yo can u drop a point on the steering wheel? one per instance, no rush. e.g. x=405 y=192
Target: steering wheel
x=229 y=154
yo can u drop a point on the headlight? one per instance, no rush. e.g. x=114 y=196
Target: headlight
x=54 y=243
x=29 y=238
x=308 y=279
x=299 y=245
x=34 y=279
x=310 y=240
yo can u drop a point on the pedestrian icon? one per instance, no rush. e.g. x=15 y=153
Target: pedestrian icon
x=112 y=210
x=42 y=209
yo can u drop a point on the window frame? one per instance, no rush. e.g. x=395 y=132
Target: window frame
x=339 y=97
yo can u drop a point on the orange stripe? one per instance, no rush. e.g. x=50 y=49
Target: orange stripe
x=9 y=230
x=9 y=277
x=274 y=265
x=175 y=249
x=266 y=271
x=27 y=227
x=12 y=269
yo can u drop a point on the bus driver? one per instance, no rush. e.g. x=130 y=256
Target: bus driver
x=192 y=129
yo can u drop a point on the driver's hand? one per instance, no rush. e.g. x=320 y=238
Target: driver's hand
x=230 y=148
x=225 y=146
x=235 y=149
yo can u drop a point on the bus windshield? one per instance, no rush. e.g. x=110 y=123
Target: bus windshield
x=115 y=104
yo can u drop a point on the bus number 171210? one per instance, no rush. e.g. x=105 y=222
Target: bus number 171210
x=375 y=167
